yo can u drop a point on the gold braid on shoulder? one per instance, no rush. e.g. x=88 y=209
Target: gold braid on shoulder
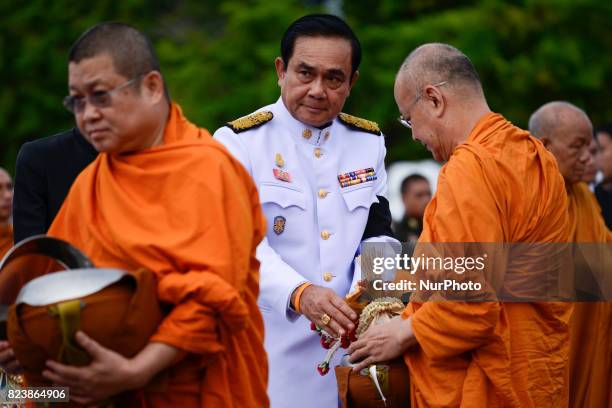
x=360 y=124
x=250 y=121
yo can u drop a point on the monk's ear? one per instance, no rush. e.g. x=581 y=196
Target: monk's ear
x=435 y=99
x=153 y=86
x=281 y=70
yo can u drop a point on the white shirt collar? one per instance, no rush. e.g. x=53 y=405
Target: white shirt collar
x=301 y=131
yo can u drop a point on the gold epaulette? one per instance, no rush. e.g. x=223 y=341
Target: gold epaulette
x=364 y=125
x=250 y=121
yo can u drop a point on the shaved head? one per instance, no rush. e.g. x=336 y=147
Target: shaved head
x=130 y=50
x=551 y=118
x=435 y=63
x=117 y=93
x=439 y=96
x=566 y=131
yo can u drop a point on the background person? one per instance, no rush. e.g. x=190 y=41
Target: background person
x=567 y=132
x=45 y=170
x=603 y=191
x=416 y=194
x=6 y=202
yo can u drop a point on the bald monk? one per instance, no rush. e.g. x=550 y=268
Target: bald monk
x=567 y=132
x=164 y=196
x=499 y=184
x=6 y=205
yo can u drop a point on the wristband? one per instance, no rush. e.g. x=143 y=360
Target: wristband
x=298 y=295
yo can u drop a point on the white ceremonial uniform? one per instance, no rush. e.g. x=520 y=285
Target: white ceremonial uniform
x=314 y=230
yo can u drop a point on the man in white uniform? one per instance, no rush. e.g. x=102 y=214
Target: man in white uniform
x=322 y=185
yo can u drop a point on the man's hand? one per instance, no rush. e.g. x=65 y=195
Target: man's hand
x=382 y=342
x=107 y=375
x=8 y=362
x=110 y=373
x=316 y=301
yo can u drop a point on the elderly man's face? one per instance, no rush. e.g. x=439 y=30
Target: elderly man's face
x=570 y=146
x=120 y=126
x=317 y=80
x=604 y=154
x=410 y=105
x=6 y=196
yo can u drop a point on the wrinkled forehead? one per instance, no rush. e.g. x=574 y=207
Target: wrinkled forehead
x=569 y=138
x=323 y=53
x=568 y=126
x=89 y=72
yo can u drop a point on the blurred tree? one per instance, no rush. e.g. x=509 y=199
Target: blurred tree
x=34 y=40
x=218 y=57
x=227 y=72
x=526 y=52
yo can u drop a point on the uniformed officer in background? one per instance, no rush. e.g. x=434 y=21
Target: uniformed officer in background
x=416 y=194
x=322 y=184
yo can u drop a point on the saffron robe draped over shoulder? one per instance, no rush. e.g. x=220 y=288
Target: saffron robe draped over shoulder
x=500 y=186
x=591 y=327
x=189 y=212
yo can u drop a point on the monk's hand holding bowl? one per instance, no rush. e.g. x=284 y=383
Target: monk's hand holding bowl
x=102 y=378
x=326 y=309
x=382 y=342
x=109 y=373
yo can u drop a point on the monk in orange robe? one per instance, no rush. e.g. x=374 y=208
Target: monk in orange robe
x=567 y=132
x=6 y=205
x=164 y=196
x=499 y=185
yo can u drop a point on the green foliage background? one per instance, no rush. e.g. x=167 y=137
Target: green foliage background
x=217 y=56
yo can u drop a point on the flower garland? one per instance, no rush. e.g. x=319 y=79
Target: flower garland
x=387 y=305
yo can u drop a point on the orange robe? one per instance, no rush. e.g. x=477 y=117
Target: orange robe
x=501 y=185
x=591 y=326
x=6 y=239
x=189 y=212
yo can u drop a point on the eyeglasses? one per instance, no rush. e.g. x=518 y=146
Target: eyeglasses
x=99 y=99
x=407 y=122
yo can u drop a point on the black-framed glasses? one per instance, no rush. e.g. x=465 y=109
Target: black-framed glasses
x=407 y=122
x=99 y=99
